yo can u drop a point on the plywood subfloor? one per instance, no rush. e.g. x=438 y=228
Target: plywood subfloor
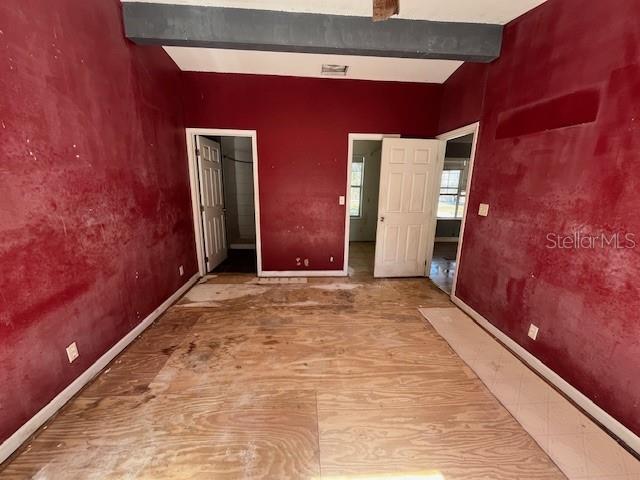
x=330 y=379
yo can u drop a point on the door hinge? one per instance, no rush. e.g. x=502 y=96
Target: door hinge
x=197 y=152
x=202 y=208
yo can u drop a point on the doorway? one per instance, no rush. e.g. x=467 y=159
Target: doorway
x=455 y=181
x=224 y=193
x=391 y=196
x=364 y=188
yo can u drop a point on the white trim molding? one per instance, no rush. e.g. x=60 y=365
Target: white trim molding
x=195 y=192
x=304 y=273
x=347 y=221
x=474 y=129
x=14 y=442
x=242 y=246
x=447 y=239
x=598 y=414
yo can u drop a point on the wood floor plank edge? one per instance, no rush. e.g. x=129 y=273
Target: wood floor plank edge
x=13 y=443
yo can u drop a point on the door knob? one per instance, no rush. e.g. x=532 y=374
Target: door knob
x=382 y=219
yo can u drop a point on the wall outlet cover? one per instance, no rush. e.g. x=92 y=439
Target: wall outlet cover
x=72 y=352
x=483 y=210
x=533 y=332
x=181 y=270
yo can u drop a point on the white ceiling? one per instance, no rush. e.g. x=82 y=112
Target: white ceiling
x=474 y=11
x=364 y=68
x=309 y=65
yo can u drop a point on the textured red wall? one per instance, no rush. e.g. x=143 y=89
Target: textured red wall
x=95 y=211
x=462 y=96
x=302 y=126
x=569 y=80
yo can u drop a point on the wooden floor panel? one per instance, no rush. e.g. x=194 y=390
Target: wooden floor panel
x=259 y=435
x=470 y=440
x=328 y=379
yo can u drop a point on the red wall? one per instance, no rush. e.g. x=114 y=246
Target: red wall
x=462 y=96
x=95 y=213
x=559 y=152
x=302 y=126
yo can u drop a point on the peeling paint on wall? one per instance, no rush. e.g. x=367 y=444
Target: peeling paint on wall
x=549 y=162
x=94 y=188
x=302 y=128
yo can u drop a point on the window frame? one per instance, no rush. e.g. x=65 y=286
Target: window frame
x=360 y=159
x=459 y=194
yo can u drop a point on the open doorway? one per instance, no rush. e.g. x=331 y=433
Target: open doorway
x=364 y=190
x=452 y=202
x=224 y=190
x=392 y=187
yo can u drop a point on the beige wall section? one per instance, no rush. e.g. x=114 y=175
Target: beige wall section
x=237 y=165
x=363 y=229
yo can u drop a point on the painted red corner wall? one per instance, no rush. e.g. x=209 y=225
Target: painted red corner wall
x=95 y=213
x=302 y=126
x=559 y=152
x=462 y=97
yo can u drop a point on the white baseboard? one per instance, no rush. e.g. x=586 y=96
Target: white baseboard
x=304 y=273
x=242 y=246
x=447 y=239
x=606 y=420
x=12 y=443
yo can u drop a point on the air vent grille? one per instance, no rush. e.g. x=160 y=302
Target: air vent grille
x=334 y=70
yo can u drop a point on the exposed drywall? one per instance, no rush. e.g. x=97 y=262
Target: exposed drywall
x=95 y=212
x=237 y=173
x=302 y=132
x=363 y=228
x=569 y=164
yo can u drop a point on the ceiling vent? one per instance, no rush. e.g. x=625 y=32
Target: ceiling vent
x=334 y=70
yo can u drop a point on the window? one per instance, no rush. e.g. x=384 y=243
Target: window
x=357 y=178
x=452 y=195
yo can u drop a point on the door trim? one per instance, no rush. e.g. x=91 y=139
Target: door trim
x=347 y=221
x=194 y=184
x=453 y=134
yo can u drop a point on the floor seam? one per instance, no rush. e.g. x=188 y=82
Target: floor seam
x=318 y=434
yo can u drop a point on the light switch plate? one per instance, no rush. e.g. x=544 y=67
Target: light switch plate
x=341 y=200
x=533 y=332
x=483 y=210
x=72 y=352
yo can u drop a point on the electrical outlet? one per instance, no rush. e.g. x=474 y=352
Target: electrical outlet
x=181 y=270
x=533 y=332
x=483 y=210
x=72 y=352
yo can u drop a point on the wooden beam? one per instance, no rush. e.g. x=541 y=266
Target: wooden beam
x=246 y=29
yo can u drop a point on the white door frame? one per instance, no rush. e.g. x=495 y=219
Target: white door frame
x=195 y=190
x=347 y=221
x=453 y=134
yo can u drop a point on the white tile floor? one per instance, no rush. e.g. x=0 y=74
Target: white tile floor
x=574 y=442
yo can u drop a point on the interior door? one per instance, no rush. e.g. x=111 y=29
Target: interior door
x=406 y=210
x=212 y=202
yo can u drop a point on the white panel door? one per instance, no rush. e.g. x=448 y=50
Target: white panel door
x=212 y=202
x=409 y=190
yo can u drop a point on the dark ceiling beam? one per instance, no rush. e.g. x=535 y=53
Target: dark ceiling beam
x=245 y=29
